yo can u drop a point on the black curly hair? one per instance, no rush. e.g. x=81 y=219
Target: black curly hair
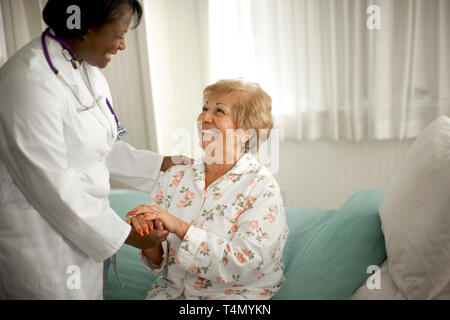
x=94 y=14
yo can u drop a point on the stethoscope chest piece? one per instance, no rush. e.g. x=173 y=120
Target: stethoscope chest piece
x=121 y=130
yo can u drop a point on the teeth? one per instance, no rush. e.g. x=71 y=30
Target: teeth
x=210 y=132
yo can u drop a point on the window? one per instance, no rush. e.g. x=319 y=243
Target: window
x=329 y=74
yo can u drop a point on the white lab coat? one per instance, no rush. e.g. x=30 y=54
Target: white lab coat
x=56 y=225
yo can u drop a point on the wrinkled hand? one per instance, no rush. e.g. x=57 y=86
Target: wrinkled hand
x=154 y=233
x=171 y=161
x=150 y=213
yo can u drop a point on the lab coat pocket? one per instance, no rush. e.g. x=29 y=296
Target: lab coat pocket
x=10 y=195
x=31 y=252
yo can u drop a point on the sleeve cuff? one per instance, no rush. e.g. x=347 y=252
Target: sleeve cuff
x=123 y=230
x=153 y=268
x=190 y=246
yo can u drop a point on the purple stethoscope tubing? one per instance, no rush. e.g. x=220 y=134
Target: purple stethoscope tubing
x=64 y=44
x=120 y=129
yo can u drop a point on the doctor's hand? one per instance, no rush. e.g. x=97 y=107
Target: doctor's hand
x=155 y=213
x=153 y=236
x=171 y=161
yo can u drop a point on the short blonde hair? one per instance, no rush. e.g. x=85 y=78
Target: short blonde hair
x=251 y=108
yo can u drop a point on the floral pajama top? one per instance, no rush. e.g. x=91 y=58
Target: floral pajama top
x=233 y=248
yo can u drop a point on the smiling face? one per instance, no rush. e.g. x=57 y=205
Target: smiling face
x=218 y=132
x=100 y=44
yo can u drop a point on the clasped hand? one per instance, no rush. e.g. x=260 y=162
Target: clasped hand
x=154 y=222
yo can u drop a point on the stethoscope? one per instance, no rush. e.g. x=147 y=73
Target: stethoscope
x=72 y=57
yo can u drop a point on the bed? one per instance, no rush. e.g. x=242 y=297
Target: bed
x=326 y=256
x=401 y=233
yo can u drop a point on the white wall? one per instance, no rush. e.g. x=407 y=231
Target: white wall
x=323 y=174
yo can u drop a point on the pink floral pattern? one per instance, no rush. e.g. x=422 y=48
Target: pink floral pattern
x=159 y=197
x=233 y=249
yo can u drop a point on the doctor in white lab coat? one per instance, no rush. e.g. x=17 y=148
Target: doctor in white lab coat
x=56 y=157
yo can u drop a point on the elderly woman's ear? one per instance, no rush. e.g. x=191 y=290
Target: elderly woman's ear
x=243 y=135
x=246 y=138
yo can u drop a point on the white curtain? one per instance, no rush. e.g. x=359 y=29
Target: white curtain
x=329 y=75
x=177 y=32
x=22 y=22
x=3 y=53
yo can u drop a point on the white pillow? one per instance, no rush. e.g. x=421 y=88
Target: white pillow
x=415 y=216
x=386 y=291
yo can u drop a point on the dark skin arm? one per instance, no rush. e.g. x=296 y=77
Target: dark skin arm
x=149 y=240
x=146 y=241
x=155 y=254
x=174 y=160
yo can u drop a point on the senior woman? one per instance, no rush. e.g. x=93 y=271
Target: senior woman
x=226 y=218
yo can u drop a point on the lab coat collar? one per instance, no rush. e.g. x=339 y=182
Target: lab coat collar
x=67 y=71
x=74 y=80
x=102 y=106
